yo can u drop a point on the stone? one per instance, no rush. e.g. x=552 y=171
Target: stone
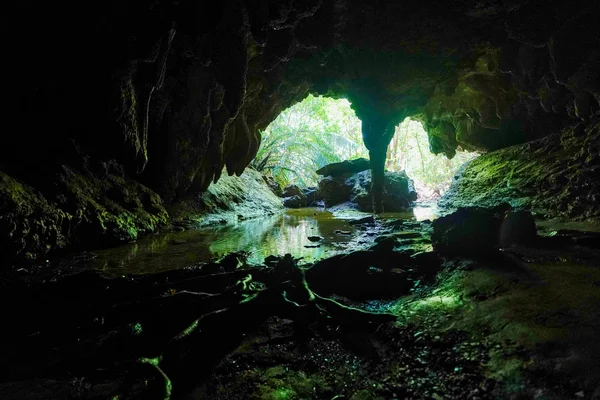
x=315 y=238
x=347 y=167
x=273 y=185
x=334 y=190
x=292 y=190
x=366 y=220
x=293 y=197
x=313 y=196
x=518 y=227
x=296 y=201
x=398 y=192
x=467 y=231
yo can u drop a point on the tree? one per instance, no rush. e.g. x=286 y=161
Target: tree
x=308 y=136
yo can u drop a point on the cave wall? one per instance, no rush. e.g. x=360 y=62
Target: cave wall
x=173 y=91
x=555 y=176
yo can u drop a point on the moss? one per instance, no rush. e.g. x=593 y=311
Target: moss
x=246 y=195
x=545 y=176
x=93 y=209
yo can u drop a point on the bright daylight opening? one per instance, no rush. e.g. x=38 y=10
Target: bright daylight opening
x=320 y=130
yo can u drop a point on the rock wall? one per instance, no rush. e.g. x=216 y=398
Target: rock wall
x=231 y=199
x=553 y=176
x=91 y=208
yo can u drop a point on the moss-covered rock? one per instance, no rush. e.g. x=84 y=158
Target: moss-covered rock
x=553 y=176
x=90 y=209
x=230 y=199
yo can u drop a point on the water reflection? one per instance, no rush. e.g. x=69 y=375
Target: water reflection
x=261 y=237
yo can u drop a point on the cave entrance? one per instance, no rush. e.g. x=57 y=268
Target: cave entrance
x=409 y=151
x=320 y=130
x=307 y=136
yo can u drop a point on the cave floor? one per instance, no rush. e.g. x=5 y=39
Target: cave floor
x=483 y=330
x=522 y=323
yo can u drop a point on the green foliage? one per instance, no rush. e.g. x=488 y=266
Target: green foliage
x=409 y=151
x=320 y=130
x=308 y=136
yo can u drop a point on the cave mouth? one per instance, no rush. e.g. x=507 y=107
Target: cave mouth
x=431 y=173
x=321 y=130
x=307 y=136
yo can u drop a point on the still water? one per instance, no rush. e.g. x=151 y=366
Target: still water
x=287 y=232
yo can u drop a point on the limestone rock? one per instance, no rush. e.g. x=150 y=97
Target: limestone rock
x=293 y=197
x=518 y=227
x=347 y=167
x=468 y=231
x=273 y=185
x=292 y=190
x=334 y=190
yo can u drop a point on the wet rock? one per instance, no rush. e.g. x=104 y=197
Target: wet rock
x=296 y=201
x=366 y=220
x=398 y=191
x=293 y=197
x=315 y=238
x=334 y=190
x=356 y=189
x=518 y=227
x=292 y=190
x=340 y=232
x=313 y=196
x=273 y=185
x=467 y=231
x=347 y=167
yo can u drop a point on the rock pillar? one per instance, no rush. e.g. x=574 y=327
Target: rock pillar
x=377 y=134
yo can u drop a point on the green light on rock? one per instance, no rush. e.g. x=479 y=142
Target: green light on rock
x=137 y=329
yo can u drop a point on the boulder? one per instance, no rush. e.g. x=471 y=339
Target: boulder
x=334 y=190
x=347 y=167
x=469 y=230
x=292 y=190
x=398 y=191
x=296 y=201
x=312 y=195
x=518 y=227
x=293 y=197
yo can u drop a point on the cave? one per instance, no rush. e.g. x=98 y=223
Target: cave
x=143 y=256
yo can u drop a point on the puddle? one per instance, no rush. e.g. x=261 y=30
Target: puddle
x=280 y=234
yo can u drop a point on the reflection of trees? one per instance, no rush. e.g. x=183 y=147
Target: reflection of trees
x=246 y=235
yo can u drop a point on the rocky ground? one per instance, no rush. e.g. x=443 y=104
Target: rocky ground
x=517 y=319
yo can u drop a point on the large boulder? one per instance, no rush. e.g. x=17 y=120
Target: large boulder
x=398 y=190
x=334 y=190
x=293 y=197
x=313 y=195
x=469 y=230
x=292 y=190
x=347 y=167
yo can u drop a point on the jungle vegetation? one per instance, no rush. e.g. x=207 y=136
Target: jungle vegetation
x=321 y=130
